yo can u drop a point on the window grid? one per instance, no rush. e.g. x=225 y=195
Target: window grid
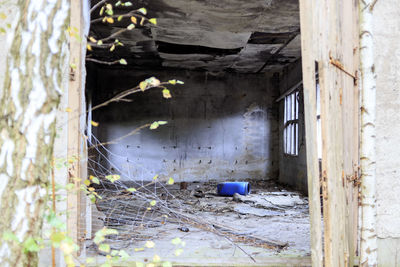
x=291 y=124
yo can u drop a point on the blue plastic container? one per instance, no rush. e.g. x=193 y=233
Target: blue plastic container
x=230 y=188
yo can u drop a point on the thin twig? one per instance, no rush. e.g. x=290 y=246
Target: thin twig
x=97 y=5
x=122 y=95
x=129 y=14
x=102 y=62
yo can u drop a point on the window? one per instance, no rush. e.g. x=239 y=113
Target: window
x=291 y=124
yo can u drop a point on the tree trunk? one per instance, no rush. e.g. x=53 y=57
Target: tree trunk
x=368 y=246
x=28 y=103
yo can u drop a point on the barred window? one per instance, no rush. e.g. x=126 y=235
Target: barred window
x=291 y=124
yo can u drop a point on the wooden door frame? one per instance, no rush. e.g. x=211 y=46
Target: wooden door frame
x=330 y=37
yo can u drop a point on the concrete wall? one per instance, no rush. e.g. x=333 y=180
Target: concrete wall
x=292 y=169
x=387 y=67
x=219 y=127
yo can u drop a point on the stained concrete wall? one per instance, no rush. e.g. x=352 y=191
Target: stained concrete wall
x=292 y=169
x=220 y=127
x=387 y=68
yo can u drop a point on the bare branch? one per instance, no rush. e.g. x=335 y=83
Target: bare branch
x=97 y=5
x=102 y=62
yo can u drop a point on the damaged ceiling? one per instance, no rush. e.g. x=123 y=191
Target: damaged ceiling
x=224 y=35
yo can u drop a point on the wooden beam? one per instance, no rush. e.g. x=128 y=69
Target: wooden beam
x=308 y=49
x=76 y=159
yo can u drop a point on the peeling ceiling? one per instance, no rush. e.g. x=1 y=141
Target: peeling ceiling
x=224 y=35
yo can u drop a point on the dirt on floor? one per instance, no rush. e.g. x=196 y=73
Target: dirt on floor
x=270 y=222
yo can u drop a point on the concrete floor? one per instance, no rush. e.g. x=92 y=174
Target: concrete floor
x=269 y=213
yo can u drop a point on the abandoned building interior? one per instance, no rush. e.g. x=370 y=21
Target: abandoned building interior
x=237 y=116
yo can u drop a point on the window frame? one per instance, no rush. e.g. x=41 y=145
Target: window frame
x=291 y=124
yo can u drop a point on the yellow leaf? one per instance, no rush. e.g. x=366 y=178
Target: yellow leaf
x=87 y=182
x=120 y=18
x=92 y=39
x=150 y=244
x=110 y=20
x=166 y=93
x=153 y=203
x=142 y=21
x=153 y=21
x=156 y=258
x=132 y=189
x=112 y=48
x=178 y=252
x=143 y=85
x=139 y=249
x=89 y=47
x=134 y=20
x=131 y=26
x=68 y=110
x=155 y=177
x=93 y=123
x=3 y=15
x=91 y=189
x=172 y=82
x=100 y=42
x=170 y=181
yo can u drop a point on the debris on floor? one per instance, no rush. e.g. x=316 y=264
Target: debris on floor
x=270 y=217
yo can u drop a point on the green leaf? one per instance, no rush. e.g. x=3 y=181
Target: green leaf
x=118 y=3
x=143 y=10
x=30 y=245
x=109 y=12
x=56 y=238
x=113 y=177
x=95 y=180
x=153 y=203
x=131 y=189
x=153 y=21
x=122 y=61
x=120 y=18
x=128 y=4
x=10 y=236
x=131 y=26
x=104 y=247
x=154 y=125
x=162 y=122
x=179 y=82
x=172 y=82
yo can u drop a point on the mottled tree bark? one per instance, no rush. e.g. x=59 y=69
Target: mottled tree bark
x=32 y=87
x=368 y=244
